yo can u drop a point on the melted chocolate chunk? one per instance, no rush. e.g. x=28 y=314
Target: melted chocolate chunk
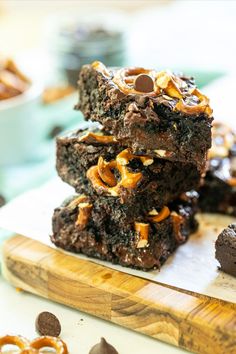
x=103 y=348
x=144 y=83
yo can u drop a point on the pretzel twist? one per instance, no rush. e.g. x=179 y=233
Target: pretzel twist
x=102 y=176
x=201 y=107
x=51 y=342
x=27 y=347
x=125 y=78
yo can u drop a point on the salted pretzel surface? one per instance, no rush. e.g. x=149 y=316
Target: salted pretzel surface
x=34 y=347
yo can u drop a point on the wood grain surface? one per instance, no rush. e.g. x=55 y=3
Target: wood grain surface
x=191 y=321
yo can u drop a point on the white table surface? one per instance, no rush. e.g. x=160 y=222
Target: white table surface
x=18 y=311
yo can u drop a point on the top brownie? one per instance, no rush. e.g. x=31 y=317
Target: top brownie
x=148 y=110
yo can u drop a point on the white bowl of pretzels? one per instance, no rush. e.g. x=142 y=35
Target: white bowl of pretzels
x=20 y=128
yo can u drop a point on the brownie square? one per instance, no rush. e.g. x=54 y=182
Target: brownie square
x=104 y=228
x=148 y=110
x=96 y=164
x=217 y=193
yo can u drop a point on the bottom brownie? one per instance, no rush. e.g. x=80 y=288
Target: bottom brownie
x=105 y=229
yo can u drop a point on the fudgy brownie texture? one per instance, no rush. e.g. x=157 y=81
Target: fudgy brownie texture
x=154 y=182
x=148 y=110
x=218 y=191
x=226 y=249
x=105 y=229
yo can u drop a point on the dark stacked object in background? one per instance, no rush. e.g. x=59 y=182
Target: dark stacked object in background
x=133 y=174
x=217 y=193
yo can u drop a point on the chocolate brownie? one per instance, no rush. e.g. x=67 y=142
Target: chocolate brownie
x=226 y=249
x=218 y=190
x=95 y=163
x=106 y=229
x=148 y=110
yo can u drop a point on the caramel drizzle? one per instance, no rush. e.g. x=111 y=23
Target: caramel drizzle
x=164 y=82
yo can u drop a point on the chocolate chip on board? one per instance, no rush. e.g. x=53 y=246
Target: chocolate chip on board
x=144 y=83
x=103 y=348
x=47 y=324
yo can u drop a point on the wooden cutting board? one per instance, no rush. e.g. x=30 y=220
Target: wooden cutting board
x=192 y=321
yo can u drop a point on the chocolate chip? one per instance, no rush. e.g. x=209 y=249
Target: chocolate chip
x=55 y=131
x=144 y=83
x=2 y=201
x=47 y=324
x=103 y=348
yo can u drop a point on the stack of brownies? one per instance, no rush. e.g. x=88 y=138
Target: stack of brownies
x=134 y=171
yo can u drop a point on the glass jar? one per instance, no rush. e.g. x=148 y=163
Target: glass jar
x=83 y=39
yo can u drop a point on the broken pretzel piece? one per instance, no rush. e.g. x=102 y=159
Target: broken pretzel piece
x=169 y=84
x=92 y=138
x=84 y=215
x=125 y=156
x=202 y=107
x=142 y=229
x=155 y=216
x=178 y=221
x=75 y=202
x=104 y=170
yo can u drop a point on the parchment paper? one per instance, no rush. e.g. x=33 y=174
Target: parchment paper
x=193 y=266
